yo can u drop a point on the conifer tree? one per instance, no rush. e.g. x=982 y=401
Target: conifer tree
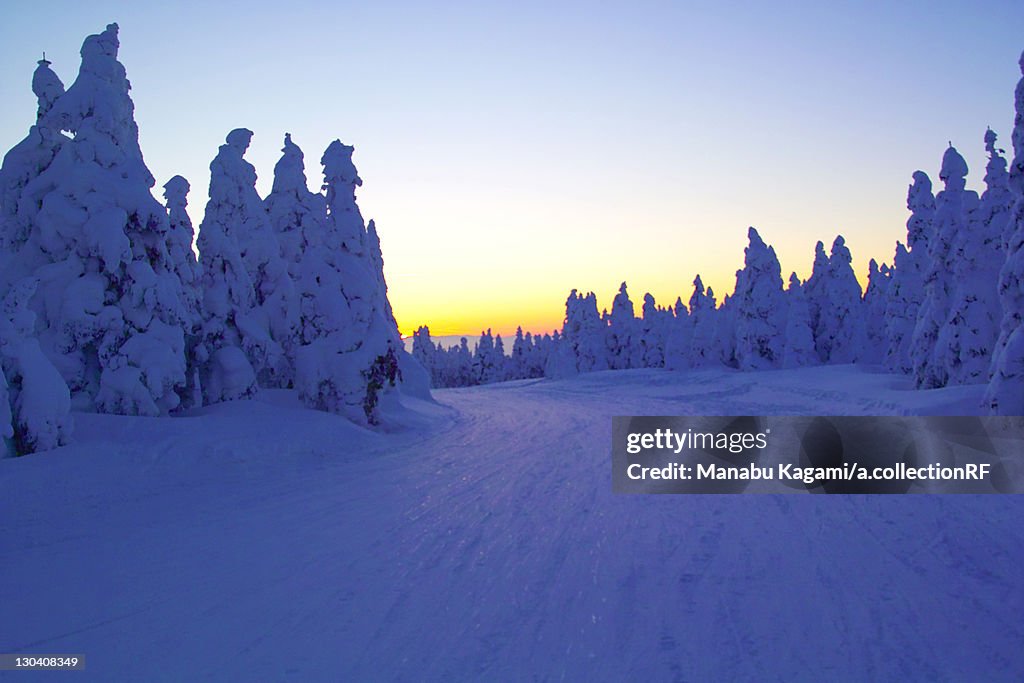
x=799 y=339
x=111 y=307
x=952 y=204
x=841 y=332
x=975 y=312
x=1005 y=393
x=760 y=307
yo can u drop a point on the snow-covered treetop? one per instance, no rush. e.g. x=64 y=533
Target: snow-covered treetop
x=954 y=170
x=921 y=203
x=229 y=171
x=756 y=244
x=697 y=299
x=794 y=282
x=840 y=250
x=46 y=86
x=820 y=257
x=1017 y=137
x=339 y=170
x=239 y=139
x=920 y=194
x=996 y=175
x=97 y=108
x=176 y=192
x=341 y=180
x=990 y=141
x=290 y=170
x=622 y=307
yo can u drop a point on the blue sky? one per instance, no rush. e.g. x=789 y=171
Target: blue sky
x=512 y=151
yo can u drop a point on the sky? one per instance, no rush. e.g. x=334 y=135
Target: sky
x=511 y=152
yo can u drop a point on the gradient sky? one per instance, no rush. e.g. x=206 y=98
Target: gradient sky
x=513 y=151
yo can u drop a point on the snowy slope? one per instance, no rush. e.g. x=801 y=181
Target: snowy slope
x=258 y=541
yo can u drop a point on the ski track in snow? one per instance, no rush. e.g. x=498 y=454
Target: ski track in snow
x=294 y=547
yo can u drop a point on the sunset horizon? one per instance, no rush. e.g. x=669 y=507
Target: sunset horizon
x=609 y=162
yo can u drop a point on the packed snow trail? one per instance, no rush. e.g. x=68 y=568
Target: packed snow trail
x=266 y=542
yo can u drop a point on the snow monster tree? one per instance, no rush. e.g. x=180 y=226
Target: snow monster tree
x=110 y=303
x=349 y=348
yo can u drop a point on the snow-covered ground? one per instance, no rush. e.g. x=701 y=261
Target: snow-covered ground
x=260 y=541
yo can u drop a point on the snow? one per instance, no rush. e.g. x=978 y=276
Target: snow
x=1005 y=394
x=257 y=540
x=761 y=307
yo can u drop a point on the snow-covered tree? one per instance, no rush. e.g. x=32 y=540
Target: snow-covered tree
x=841 y=334
x=817 y=299
x=110 y=303
x=489 y=359
x=297 y=216
x=654 y=329
x=760 y=307
x=876 y=296
x=238 y=207
x=424 y=351
x=519 y=361
x=22 y=165
x=373 y=249
x=978 y=254
x=678 y=337
x=910 y=265
x=930 y=340
x=584 y=332
x=237 y=343
x=703 y=314
x=726 y=318
x=179 y=245
x=461 y=364
x=350 y=352
x=1005 y=393
x=621 y=331
x=561 y=358
x=35 y=402
x=799 y=338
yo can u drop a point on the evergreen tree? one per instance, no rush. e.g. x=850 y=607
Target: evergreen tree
x=297 y=216
x=703 y=314
x=760 y=307
x=519 y=362
x=725 y=332
x=239 y=207
x=1005 y=393
x=928 y=350
x=349 y=354
x=237 y=343
x=653 y=332
x=975 y=314
x=841 y=332
x=679 y=337
x=875 y=300
x=29 y=383
x=620 y=331
x=179 y=244
x=424 y=351
x=584 y=333
x=22 y=165
x=906 y=289
x=817 y=299
x=799 y=339
x=110 y=304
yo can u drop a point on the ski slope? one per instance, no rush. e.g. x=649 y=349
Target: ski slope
x=480 y=540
